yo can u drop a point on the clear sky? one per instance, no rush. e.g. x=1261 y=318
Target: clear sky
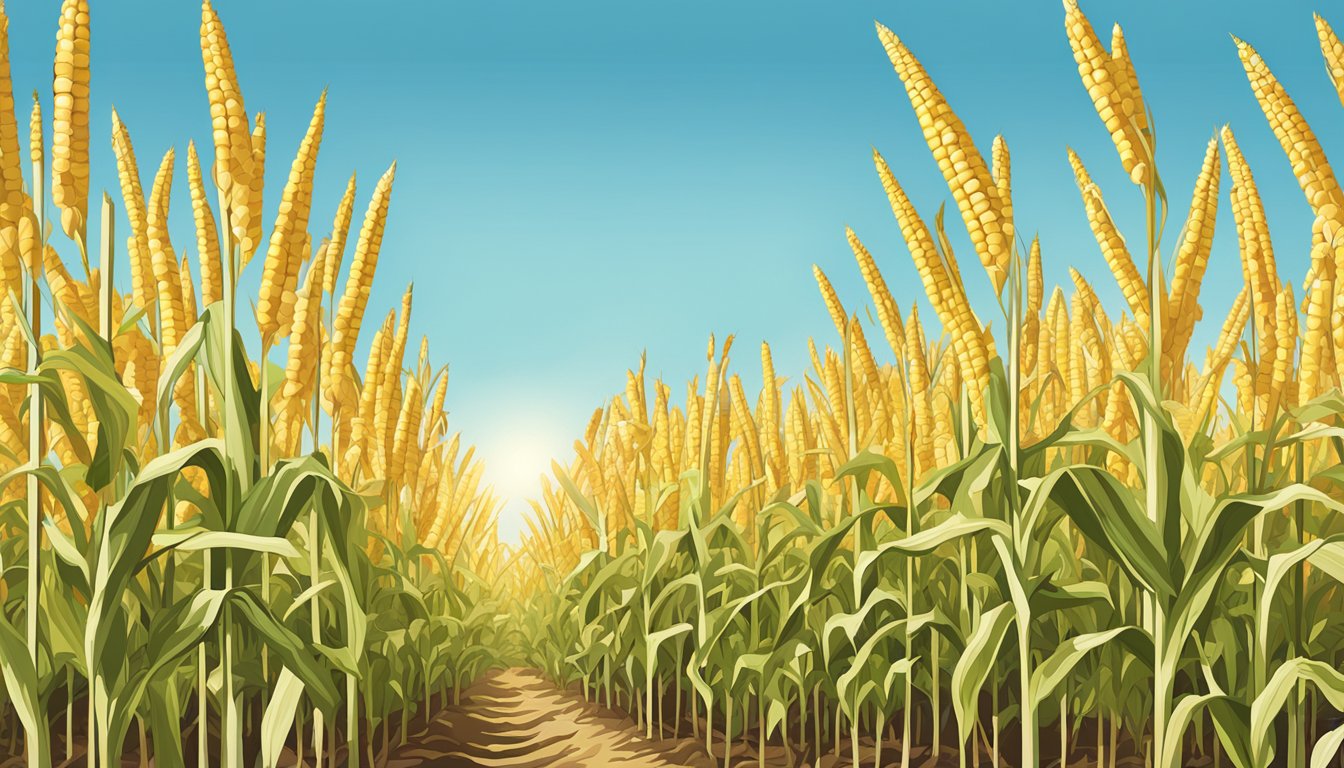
x=580 y=182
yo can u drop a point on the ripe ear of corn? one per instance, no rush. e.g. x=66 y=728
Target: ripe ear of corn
x=228 y=117
x=70 y=120
x=350 y=311
x=1113 y=247
x=207 y=236
x=1110 y=80
x=1192 y=257
x=173 y=322
x=11 y=167
x=987 y=216
x=133 y=196
x=280 y=276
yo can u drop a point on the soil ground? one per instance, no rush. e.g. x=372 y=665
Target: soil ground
x=516 y=717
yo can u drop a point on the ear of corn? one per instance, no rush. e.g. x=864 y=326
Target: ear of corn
x=207 y=236
x=280 y=276
x=987 y=216
x=1110 y=80
x=70 y=120
x=133 y=197
x=350 y=311
x=1192 y=257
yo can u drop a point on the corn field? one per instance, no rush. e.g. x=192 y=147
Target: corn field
x=207 y=557
x=1040 y=533
x=1047 y=532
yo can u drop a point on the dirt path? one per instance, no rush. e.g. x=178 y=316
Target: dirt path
x=516 y=717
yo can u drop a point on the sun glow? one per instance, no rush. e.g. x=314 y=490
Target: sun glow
x=517 y=455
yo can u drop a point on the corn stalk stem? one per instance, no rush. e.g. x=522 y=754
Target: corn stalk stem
x=36 y=449
x=230 y=725
x=1163 y=670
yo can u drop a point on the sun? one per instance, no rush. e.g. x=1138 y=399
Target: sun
x=519 y=454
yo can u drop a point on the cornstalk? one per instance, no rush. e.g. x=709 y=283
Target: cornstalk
x=230 y=724
x=1297 y=744
x=36 y=448
x=1163 y=669
x=351 y=720
x=106 y=331
x=648 y=673
x=69 y=712
x=1027 y=716
x=202 y=659
x=315 y=569
x=202 y=676
x=264 y=447
x=264 y=427
x=910 y=436
x=937 y=711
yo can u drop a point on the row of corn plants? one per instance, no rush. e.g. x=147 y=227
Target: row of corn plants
x=211 y=556
x=1041 y=531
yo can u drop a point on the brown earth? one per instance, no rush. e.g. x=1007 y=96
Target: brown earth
x=515 y=717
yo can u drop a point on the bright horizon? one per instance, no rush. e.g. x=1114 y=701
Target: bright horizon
x=576 y=187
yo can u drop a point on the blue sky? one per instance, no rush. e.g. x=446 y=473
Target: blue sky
x=581 y=182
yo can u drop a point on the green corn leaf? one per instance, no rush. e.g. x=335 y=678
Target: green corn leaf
x=278 y=719
x=1057 y=666
x=982 y=649
x=1327 y=748
x=1233 y=733
x=1267 y=705
x=1215 y=546
x=22 y=687
x=1106 y=512
x=196 y=540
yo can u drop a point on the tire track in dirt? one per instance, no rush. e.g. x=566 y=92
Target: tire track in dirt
x=515 y=718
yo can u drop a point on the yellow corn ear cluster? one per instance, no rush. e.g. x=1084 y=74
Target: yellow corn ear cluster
x=987 y=215
x=229 y=123
x=388 y=394
x=207 y=234
x=363 y=439
x=1192 y=259
x=133 y=199
x=1112 y=244
x=942 y=284
x=1333 y=52
x=163 y=260
x=70 y=120
x=350 y=311
x=1272 y=379
x=1112 y=84
x=12 y=195
x=1257 y=251
x=340 y=229
x=925 y=399
x=280 y=275
x=295 y=395
x=390 y=420
x=249 y=214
